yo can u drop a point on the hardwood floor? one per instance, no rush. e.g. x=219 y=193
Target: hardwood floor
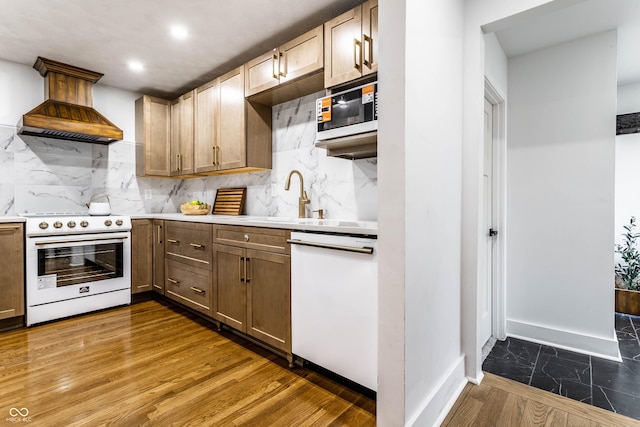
x=501 y=402
x=150 y=364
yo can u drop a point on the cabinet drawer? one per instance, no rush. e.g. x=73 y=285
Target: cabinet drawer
x=189 y=243
x=188 y=285
x=261 y=239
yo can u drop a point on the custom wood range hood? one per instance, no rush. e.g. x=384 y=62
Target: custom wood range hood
x=67 y=112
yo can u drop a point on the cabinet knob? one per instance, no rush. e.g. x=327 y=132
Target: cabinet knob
x=246 y=237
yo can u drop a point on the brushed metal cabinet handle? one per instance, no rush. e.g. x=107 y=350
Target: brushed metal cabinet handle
x=198 y=290
x=196 y=245
x=367 y=41
x=357 y=54
x=282 y=61
x=275 y=58
x=173 y=241
x=170 y=280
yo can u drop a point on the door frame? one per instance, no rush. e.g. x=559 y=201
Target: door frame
x=498 y=285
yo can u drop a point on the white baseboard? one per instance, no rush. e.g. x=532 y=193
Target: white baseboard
x=567 y=340
x=437 y=405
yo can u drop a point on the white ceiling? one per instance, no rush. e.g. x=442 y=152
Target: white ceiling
x=103 y=36
x=538 y=30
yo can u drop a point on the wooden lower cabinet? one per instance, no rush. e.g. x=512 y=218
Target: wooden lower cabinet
x=12 y=275
x=230 y=292
x=238 y=276
x=269 y=298
x=252 y=290
x=158 y=256
x=189 y=285
x=141 y=255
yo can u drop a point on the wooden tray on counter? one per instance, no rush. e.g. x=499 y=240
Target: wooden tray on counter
x=229 y=201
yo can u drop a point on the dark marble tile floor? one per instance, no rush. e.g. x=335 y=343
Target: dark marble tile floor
x=600 y=382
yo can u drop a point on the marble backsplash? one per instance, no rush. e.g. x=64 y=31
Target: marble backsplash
x=43 y=175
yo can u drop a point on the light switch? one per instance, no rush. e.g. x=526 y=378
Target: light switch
x=148 y=194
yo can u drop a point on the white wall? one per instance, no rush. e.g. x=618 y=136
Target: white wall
x=628 y=98
x=627 y=160
x=479 y=14
x=560 y=197
x=496 y=65
x=420 y=360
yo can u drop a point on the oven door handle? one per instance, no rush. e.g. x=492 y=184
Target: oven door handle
x=58 y=242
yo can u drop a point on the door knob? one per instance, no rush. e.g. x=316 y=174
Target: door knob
x=493 y=232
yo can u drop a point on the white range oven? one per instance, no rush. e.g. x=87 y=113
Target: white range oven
x=76 y=264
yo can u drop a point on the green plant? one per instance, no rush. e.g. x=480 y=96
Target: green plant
x=629 y=269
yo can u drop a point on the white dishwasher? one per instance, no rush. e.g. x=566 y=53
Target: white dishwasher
x=334 y=304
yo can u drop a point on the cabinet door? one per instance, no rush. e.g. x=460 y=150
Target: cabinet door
x=182 y=135
x=343 y=48
x=141 y=255
x=269 y=298
x=153 y=125
x=229 y=289
x=302 y=55
x=206 y=127
x=174 y=162
x=158 y=256
x=231 y=138
x=370 y=39
x=12 y=274
x=261 y=73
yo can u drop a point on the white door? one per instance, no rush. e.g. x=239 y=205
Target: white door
x=486 y=277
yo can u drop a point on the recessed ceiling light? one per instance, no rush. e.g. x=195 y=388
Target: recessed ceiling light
x=136 y=66
x=179 y=32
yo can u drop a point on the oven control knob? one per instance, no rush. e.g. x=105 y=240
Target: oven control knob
x=57 y=224
x=71 y=224
x=108 y=223
x=84 y=224
x=119 y=222
x=43 y=225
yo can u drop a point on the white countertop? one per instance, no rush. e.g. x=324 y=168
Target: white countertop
x=329 y=225
x=5 y=219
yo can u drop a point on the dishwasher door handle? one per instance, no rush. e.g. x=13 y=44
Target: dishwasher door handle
x=360 y=250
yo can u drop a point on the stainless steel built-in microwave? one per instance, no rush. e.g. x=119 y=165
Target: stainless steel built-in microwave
x=352 y=112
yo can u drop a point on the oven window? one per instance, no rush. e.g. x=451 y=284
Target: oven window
x=81 y=264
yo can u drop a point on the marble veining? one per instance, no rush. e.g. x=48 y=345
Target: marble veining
x=41 y=174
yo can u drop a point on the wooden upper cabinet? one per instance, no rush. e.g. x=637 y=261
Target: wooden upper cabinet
x=12 y=275
x=207 y=107
x=370 y=39
x=220 y=131
x=302 y=55
x=182 y=124
x=153 y=126
x=232 y=137
x=351 y=44
x=262 y=73
x=299 y=57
